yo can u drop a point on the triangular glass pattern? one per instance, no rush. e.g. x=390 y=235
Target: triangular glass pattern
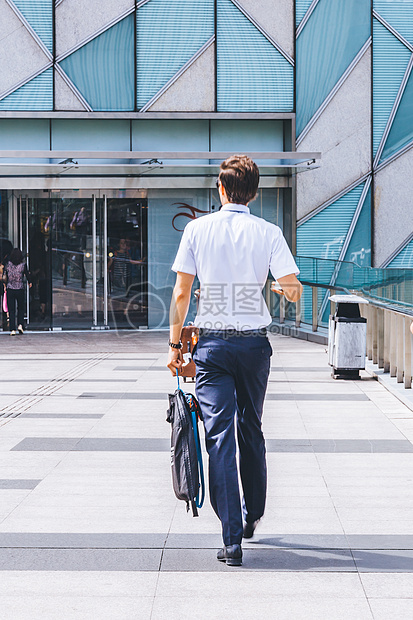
x=390 y=59
x=327 y=45
x=252 y=75
x=399 y=14
x=404 y=259
x=39 y=14
x=168 y=35
x=401 y=132
x=323 y=236
x=301 y=8
x=359 y=249
x=34 y=95
x=103 y=69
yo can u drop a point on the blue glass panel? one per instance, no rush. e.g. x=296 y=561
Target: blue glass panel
x=328 y=43
x=35 y=95
x=399 y=14
x=359 y=249
x=168 y=35
x=247 y=136
x=91 y=135
x=164 y=235
x=171 y=135
x=404 y=260
x=301 y=8
x=390 y=59
x=401 y=132
x=323 y=235
x=103 y=70
x=24 y=134
x=252 y=76
x=39 y=14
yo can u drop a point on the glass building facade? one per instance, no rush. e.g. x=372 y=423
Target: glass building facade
x=114 y=117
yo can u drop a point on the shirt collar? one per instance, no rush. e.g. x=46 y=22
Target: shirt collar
x=232 y=206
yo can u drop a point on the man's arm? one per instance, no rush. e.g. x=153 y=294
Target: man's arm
x=292 y=288
x=181 y=297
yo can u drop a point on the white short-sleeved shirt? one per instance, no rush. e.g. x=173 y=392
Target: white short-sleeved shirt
x=231 y=252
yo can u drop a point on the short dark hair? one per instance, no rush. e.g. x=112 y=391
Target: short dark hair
x=16 y=256
x=239 y=176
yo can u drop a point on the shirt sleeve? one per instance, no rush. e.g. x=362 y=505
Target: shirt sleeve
x=282 y=262
x=185 y=260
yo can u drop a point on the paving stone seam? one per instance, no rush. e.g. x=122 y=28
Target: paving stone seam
x=36 y=396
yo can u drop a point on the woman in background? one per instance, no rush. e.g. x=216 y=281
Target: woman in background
x=15 y=270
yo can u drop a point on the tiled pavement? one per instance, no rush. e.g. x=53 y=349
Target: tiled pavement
x=90 y=528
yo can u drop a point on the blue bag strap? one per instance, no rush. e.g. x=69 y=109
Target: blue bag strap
x=199 y=501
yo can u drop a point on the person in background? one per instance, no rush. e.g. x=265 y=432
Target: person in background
x=136 y=262
x=119 y=265
x=5 y=248
x=15 y=270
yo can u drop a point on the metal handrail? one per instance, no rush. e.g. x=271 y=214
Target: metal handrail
x=389 y=340
x=389 y=336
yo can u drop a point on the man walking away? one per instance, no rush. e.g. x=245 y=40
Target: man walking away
x=231 y=252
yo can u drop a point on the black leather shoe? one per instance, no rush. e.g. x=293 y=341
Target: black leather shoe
x=249 y=529
x=232 y=555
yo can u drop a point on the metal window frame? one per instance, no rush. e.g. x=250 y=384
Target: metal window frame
x=79 y=114
x=334 y=90
x=346 y=242
x=333 y=199
x=207 y=155
x=373 y=176
x=178 y=74
x=258 y=26
x=96 y=34
x=393 y=112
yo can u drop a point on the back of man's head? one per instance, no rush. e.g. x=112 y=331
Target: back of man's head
x=239 y=176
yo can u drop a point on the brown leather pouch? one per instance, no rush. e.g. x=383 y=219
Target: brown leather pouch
x=189 y=337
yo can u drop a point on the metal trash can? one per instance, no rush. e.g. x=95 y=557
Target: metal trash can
x=347 y=332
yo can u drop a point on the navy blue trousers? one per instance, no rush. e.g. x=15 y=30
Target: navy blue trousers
x=231 y=380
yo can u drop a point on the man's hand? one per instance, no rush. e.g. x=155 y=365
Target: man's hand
x=174 y=360
x=291 y=288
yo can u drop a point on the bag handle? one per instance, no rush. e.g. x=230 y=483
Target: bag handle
x=199 y=501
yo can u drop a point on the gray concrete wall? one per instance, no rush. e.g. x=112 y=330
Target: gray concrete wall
x=393 y=206
x=65 y=99
x=76 y=20
x=342 y=134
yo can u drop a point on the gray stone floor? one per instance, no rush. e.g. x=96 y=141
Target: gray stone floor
x=89 y=525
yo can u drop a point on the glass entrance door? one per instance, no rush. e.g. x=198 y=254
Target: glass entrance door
x=87 y=256
x=71 y=239
x=127 y=261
